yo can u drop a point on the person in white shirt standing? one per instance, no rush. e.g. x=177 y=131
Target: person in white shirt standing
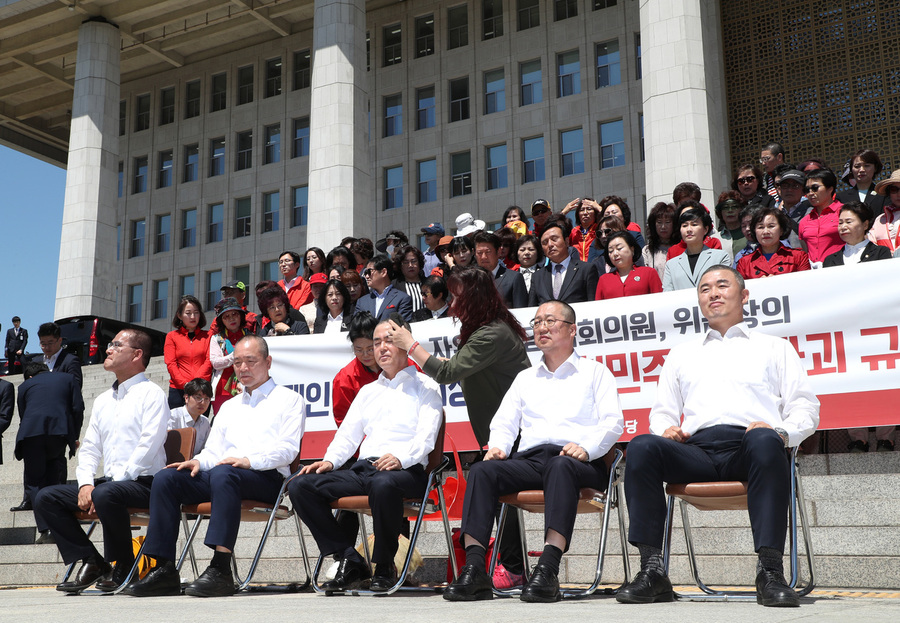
x=255 y=438
x=567 y=411
x=396 y=419
x=197 y=396
x=744 y=397
x=126 y=432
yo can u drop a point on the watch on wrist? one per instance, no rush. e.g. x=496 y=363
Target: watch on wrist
x=784 y=436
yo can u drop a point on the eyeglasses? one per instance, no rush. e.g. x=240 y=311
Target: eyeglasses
x=368 y=273
x=364 y=351
x=547 y=322
x=813 y=188
x=606 y=232
x=198 y=397
x=747 y=179
x=410 y=262
x=276 y=307
x=285 y=262
x=119 y=346
x=765 y=159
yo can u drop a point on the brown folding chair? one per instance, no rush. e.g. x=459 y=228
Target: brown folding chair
x=589 y=501
x=179 y=446
x=732 y=495
x=413 y=507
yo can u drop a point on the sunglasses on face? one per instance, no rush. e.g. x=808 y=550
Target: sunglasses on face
x=813 y=188
x=747 y=179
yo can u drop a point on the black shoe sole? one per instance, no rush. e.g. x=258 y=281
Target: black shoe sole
x=536 y=598
x=200 y=593
x=778 y=603
x=480 y=596
x=626 y=598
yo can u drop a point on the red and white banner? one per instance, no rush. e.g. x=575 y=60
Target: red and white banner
x=842 y=321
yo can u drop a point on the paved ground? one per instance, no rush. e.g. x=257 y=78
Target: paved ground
x=39 y=605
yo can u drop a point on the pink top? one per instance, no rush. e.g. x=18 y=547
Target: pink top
x=820 y=232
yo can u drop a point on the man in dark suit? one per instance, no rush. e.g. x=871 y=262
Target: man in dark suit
x=7 y=405
x=565 y=278
x=509 y=282
x=16 y=341
x=383 y=299
x=55 y=358
x=51 y=412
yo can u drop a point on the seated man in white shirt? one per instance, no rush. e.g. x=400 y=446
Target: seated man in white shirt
x=744 y=397
x=566 y=410
x=396 y=418
x=255 y=438
x=127 y=433
x=197 y=396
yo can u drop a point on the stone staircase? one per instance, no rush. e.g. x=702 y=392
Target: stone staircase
x=853 y=509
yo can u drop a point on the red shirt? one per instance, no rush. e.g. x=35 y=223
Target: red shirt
x=784 y=260
x=820 y=232
x=677 y=249
x=509 y=263
x=346 y=385
x=641 y=280
x=185 y=358
x=582 y=240
x=300 y=293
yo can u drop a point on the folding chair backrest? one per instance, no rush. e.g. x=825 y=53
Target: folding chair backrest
x=437 y=454
x=609 y=458
x=180 y=445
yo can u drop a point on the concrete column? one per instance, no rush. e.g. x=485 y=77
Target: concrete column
x=685 y=126
x=86 y=282
x=339 y=184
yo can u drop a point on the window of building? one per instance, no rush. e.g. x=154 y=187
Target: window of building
x=495 y=157
x=368 y=52
x=160 y=299
x=603 y=4
x=530 y=77
x=244 y=156
x=142 y=112
x=426 y=183
x=393 y=187
x=121 y=178
x=392 y=44
x=564 y=9
x=393 y=115
x=241 y=273
x=425 y=104
x=213 y=288
x=271 y=210
x=191 y=162
x=273 y=144
x=571 y=147
x=242 y=217
x=459 y=99
x=217 y=156
x=457 y=27
x=608 y=67
x=135 y=298
x=301 y=137
x=494 y=91
x=187 y=285
x=140 y=175
x=641 y=131
x=163 y=232
x=123 y=119
x=219 y=93
x=638 y=71
x=569 y=72
x=460 y=174
x=528 y=14
x=138 y=233
x=270 y=271
x=215 y=229
x=167 y=106
x=424 y=36
x=192 y=99
x=491 y=19
x=302 y=69
x=189 y=228
x=300 y=207
x=533 y=159
x=612 y=144
x=273 y=77
x=166 y=161
x=245 y=85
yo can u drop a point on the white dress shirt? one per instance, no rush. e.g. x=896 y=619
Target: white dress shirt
x=738 y=379
x=333 y=323
x=265 y=426
x=180 y=418
x=399 y=416
x=51 y=361
x=577 y=403
x=853 y=252
x=379 y=298
x=127 y=432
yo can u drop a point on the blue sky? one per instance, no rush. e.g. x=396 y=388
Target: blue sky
x=31 y=208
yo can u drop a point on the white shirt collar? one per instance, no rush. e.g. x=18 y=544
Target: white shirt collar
x=739 y=330
x=120 y=389
x=404 y=374
x=571 y=363
x=437 y=314
x=258 y=394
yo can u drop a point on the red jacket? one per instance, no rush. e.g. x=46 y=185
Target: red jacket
x=641 y=280
x=784 y=260
x=346 y=385
x=185 y=358
x=582 y=241
x=300 y=294
x=677 y=249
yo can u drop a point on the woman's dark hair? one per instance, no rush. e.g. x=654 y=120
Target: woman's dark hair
x=506 y=212
x=619 y=201
x=437 y=286
x=461 y=242
x=363 y=247
x=351 y=276
x=507 y=237
x=613 y=222
x=340 y=271
x=727 y=196
x=319 y=254
x=869 y=157
x=477 y=302
x=748 y=166
x=784 y=222
x=185 y=301
x=660 y=209
x=339 y=251
x=362 y=324
x=699 y=214
x=629 y=240
x=686 y=190
x=862 y=211
x=269 y=296
x=400 y=255
x=749 y=210
x=537 y=245
x=342 y=290
x=826 y=176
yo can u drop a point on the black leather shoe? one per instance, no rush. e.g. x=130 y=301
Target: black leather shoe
x=382 y=583
x=647 y=587
x=473 y=584
x=542 y=587
x=162 y=581
x=45 y=538
x=113 y=580
x=350 y=574
x=24 y=505
x=772 y=590
x=88 y=573
x=211 y=583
